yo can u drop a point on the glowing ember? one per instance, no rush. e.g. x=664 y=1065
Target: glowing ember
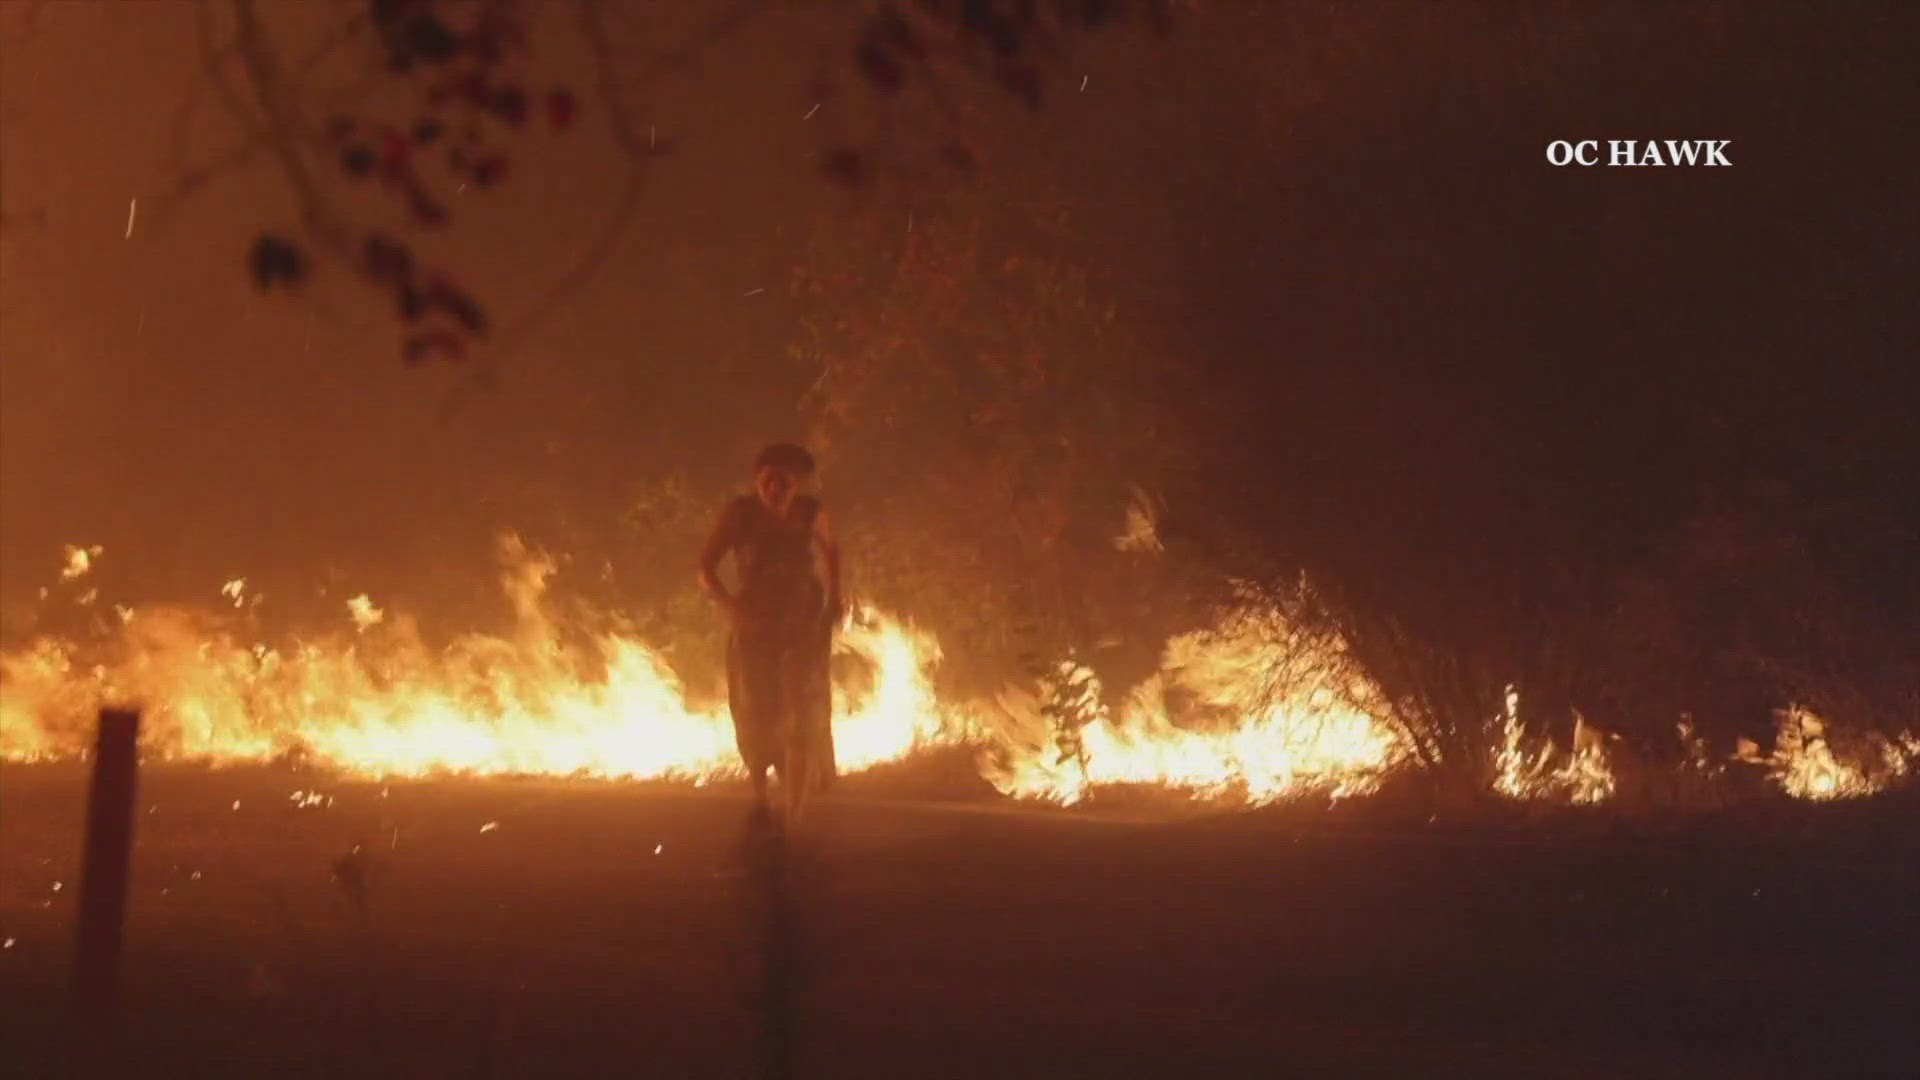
x=78 y=560
x=364 y=613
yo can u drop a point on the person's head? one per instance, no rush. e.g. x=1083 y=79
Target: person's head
x=779 y=471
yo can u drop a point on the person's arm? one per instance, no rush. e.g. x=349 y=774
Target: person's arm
x=829 y=549
x=716 y=548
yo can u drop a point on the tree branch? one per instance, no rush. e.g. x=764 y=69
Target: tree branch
x=284 y=126
x=254 y=138
x=639 y=153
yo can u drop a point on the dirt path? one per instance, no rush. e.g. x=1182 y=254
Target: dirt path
x=584 y=929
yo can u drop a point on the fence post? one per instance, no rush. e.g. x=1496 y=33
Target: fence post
x=104 y=866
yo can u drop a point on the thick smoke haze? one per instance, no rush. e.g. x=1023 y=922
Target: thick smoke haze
x=1326 y=580
x=156 y=404
x=1399 y=319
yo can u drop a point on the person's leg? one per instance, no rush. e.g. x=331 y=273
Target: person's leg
x=797 y=777
x=749 y=701
x=752 y=697
x=816 y=709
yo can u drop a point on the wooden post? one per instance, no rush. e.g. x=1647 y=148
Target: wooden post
x=104 y=866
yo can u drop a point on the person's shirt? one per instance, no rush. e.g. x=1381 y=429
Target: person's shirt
x=773 y=555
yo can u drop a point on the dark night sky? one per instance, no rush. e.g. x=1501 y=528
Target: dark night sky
x=1344 y=209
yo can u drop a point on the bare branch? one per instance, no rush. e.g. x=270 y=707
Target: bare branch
x=189 y=181
x=284 y=126
x=214 y=57
x=725 y=22
x=639 y=152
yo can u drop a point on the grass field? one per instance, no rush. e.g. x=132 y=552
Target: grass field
x=586 y=933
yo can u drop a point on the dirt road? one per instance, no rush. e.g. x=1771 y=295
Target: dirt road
x=530 y=928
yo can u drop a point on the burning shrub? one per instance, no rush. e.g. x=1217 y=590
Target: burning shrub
x=1253 y=707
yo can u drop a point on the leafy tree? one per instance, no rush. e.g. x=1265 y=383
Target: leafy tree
x=993 y=424
x=456 y=84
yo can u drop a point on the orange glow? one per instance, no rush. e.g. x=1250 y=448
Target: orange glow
x=1251 y=709
x=1804 y=765
x=1262 y=716
x=375 y=700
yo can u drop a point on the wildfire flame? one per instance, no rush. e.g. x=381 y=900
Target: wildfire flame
x=382 y=703
x=364 y=612
x=1804 y=765
x=78 y=560
x=1252 y=708
x=1584 y=775
x=1263 y=720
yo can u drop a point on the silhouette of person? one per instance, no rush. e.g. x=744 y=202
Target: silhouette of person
x=781 y=617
